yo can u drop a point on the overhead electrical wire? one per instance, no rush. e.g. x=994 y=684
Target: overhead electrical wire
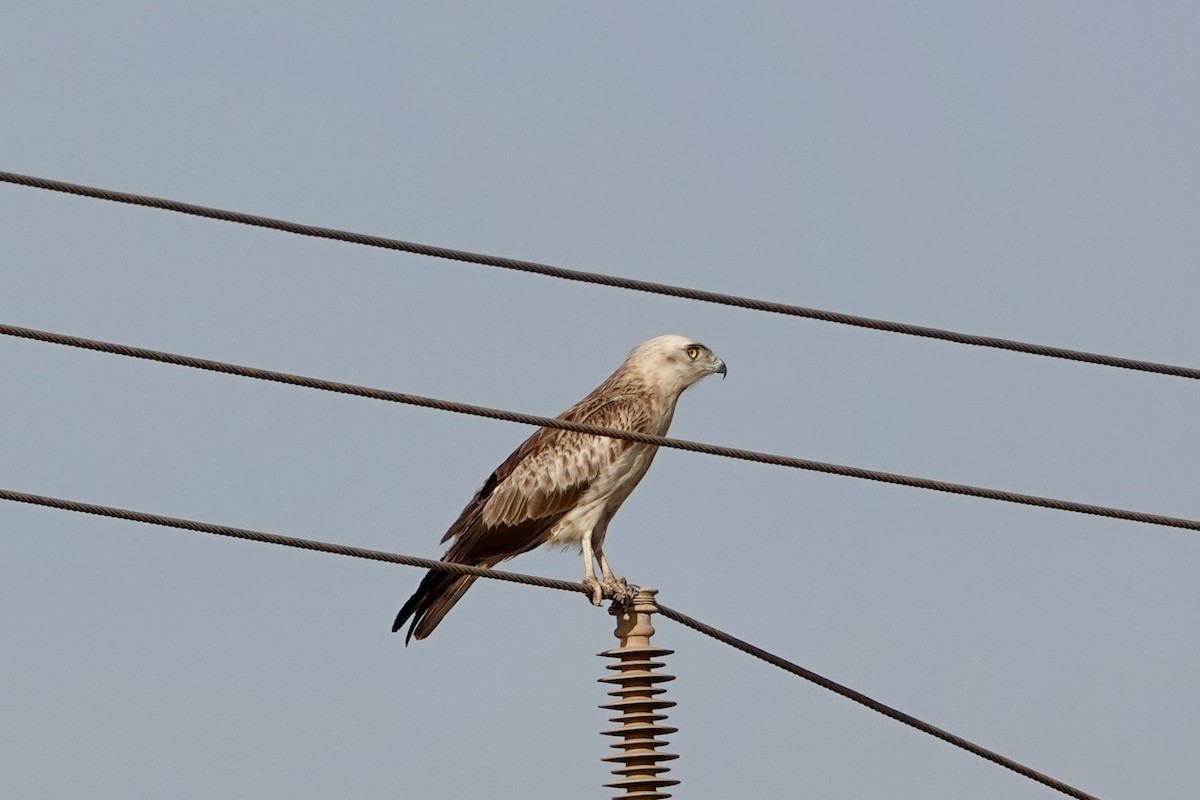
x=550 y=583
x=287 y=541
x=874 y=705
x=597 y=278
x=642 y=438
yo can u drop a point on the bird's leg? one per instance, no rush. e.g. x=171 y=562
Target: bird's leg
x=614 y=587
x=589 y=571
x=605 y=569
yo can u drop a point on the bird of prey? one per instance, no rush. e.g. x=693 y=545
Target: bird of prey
x=561 y=488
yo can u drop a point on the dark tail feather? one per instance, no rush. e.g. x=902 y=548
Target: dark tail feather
x=440 y=606
x=434 y=598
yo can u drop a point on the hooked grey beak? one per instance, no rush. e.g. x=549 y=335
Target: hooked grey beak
x=720 y=369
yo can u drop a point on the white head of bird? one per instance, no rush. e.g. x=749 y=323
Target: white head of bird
x=673 y=362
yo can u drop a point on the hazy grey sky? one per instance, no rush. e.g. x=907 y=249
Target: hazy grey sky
x=1027 y=170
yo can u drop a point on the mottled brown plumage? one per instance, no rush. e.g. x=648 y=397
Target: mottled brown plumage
x=562 y=488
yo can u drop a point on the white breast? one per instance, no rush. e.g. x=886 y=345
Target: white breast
x=602 y=499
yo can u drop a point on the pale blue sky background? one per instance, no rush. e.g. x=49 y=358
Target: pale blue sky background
x=1027 y=170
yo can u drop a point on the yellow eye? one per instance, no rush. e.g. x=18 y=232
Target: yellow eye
x=693 y=353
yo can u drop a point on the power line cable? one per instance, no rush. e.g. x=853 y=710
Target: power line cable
x=642 y=438
x=599 y=279
x=550 y=583
x=289 y=541
x=871 y=703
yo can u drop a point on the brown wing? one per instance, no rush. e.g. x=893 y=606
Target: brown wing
x=521 y=501
x=542 y=480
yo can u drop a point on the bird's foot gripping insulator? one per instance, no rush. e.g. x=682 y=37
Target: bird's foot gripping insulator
x=620 y=592
x=617 y=590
